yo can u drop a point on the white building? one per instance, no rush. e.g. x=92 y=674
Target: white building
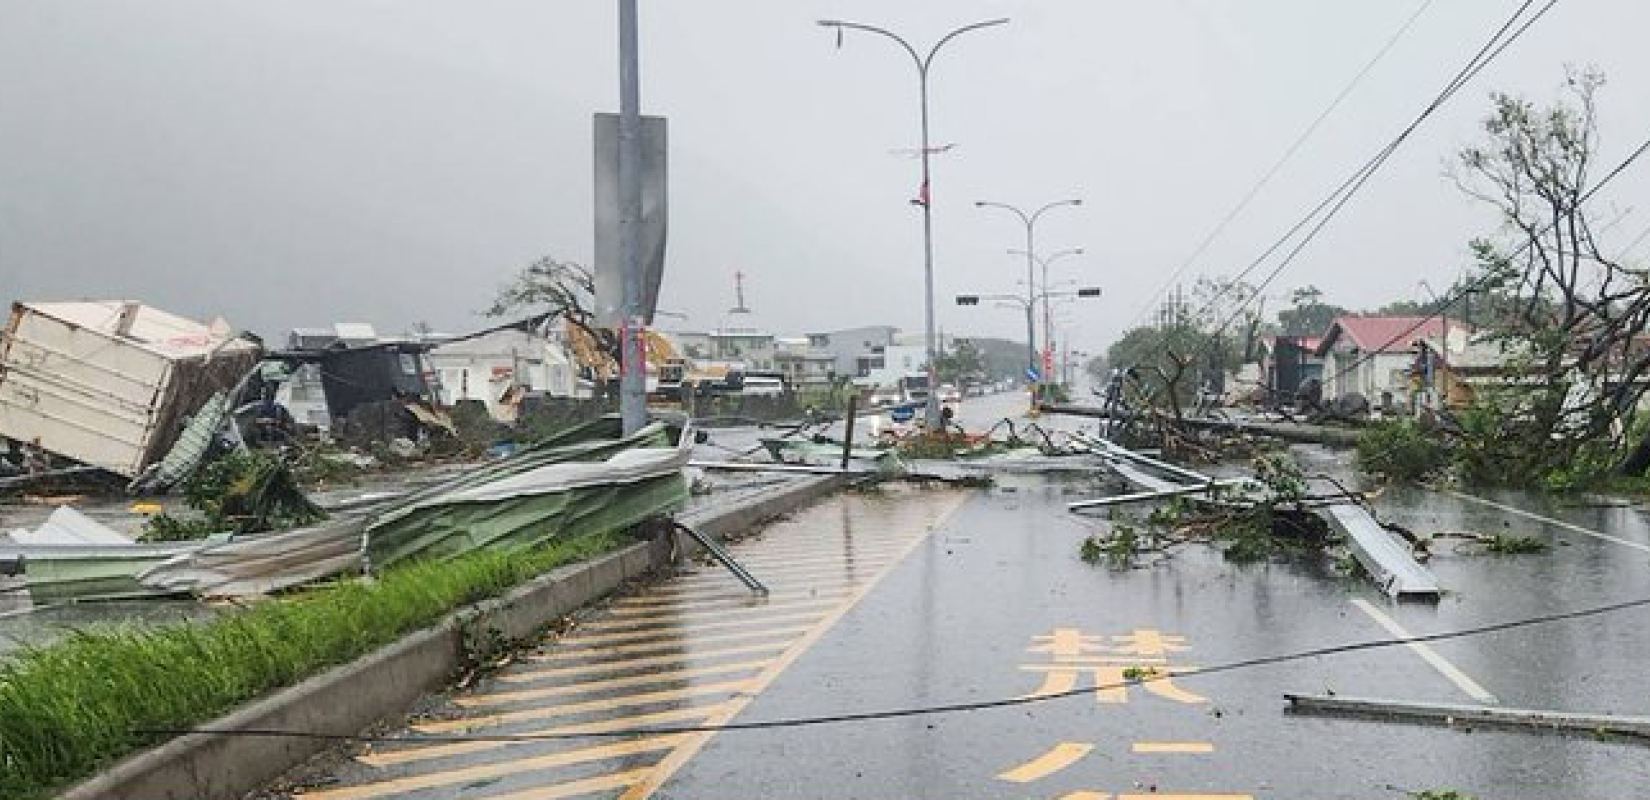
x=491 y=366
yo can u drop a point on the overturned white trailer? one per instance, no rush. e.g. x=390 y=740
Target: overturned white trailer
x=109 y=384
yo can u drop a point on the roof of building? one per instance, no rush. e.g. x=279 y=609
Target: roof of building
x=145 y=327
x=1383 y=334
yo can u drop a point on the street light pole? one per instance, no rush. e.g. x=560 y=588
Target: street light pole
x=632 y=335
x=1048 y=315
x=1030 y=222
x=932 y=411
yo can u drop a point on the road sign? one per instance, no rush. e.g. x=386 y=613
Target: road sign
x=1033 y=375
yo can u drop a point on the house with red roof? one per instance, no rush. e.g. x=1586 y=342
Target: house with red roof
x=1382 y=358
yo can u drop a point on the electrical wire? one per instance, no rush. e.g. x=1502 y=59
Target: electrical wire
x=1457 y=294
x=1337 y=200
x=1277 y=166
x=923 y=711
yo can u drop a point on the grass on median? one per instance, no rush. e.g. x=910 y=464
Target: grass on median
x=72 y=707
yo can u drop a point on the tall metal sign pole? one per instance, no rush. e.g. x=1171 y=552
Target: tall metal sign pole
x=925 y=196
x=632 y=334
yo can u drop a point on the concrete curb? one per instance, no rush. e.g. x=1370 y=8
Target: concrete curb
x=383 y=684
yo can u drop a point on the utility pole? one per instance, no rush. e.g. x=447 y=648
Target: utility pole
x=632 y=331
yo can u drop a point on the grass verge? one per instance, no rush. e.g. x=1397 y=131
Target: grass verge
x=72 y=707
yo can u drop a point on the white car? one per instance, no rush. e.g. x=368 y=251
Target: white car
x=884 y=396
x=949 y=394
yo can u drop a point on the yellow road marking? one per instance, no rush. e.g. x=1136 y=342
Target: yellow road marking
x=1057 y=758
x=670 y=618
x=878 y=550
x=721 y=590
x=627 y=722
x=500 y=769
x=1161 y=796
x=600 y=783
x=837 y=553
x=495 y=698
x=680 y=645
x=1174 y=748
x=800 y=573
x=731 y=603
x=630 y=663
x=1427 y=654
x=569 y=709
x=678 y=631
x=1085 y=795
x=680 y=756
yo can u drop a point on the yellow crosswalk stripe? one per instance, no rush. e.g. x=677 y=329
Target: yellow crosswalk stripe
x=731 y=587
x=521 y=695
x=678 y=632
x=565 y=651
x=602 y=783
x=626 y=609
x=620 y=664
x=676 y=758
x=669 y=618
x=569 y=709
x=627 y=722
x=496 y=770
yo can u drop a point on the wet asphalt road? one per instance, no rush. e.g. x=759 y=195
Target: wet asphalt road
x=905 y=599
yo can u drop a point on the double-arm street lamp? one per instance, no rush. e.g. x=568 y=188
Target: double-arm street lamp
x=1048 y=314
x=925 y=197
x=1030 y=222
x=1029 y=302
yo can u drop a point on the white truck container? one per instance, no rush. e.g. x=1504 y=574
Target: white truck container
x=109 y=384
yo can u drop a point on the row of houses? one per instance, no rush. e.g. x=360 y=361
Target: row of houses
x=1396 y=362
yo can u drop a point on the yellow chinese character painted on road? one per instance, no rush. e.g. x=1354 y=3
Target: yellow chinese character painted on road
x=1141 y=656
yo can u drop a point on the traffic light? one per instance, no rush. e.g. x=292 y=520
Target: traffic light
x=1091 y=291
x=968 y=299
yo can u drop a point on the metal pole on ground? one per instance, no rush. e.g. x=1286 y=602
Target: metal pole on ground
x=848 y=436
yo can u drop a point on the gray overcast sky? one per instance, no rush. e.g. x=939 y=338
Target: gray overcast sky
x=300 y=162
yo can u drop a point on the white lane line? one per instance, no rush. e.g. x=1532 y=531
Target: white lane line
x=1569 y=526
x=1427 y=654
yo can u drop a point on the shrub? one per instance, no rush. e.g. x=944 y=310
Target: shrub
x=1401 y=451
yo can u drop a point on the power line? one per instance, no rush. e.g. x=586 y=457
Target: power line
x=921 y=711
x=1331 y=205
x=1484 y=281
x=1278 y=165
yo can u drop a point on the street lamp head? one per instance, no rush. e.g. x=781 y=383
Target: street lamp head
x=1076 y=201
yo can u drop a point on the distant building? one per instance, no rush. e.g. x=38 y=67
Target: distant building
x=754 y=348
x=803 y=365
x=1381 y=358
x=494 y=367
x=854 y=351
x=1287 y=362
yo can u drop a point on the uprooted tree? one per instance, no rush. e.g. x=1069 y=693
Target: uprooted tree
x=1575 y=321
x=566 y=290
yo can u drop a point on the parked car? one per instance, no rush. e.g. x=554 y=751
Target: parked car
x=948 y=393
x=884 y=396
